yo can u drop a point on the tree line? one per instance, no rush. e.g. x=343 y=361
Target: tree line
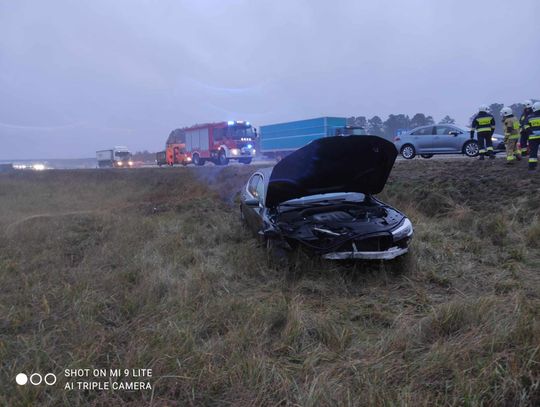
x=396 y=122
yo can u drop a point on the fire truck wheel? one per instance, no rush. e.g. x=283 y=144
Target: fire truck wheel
x=222 y=158
x=197 y=160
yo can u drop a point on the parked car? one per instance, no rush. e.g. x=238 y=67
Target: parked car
x=427 y=141
x=320 y=198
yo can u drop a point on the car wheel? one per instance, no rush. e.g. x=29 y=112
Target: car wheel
x=222 y=158
x=197 y=160
x=470 y=149
x=408 y=152
x=426 y=155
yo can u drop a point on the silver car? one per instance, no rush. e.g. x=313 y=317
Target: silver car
x=427 y=141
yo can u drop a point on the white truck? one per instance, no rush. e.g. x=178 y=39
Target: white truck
x=118 y=157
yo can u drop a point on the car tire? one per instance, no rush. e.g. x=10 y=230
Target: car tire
x=426 y=156
x=197 y=160
x=470 y=148
x=222 y=158
x=408 y=151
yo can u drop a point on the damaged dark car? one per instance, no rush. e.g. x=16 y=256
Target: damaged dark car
x=321 y=198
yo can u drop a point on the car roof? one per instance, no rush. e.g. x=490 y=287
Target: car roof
x=439 y=124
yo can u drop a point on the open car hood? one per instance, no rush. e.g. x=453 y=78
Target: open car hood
x=332 y=164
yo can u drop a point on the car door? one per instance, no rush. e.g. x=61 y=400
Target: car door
x=447 y=139
x=422 y=139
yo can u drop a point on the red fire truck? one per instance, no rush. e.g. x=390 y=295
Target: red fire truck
x=220 y=142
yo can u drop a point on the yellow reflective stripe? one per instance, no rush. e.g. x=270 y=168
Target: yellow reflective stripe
x=482 y=129
x=510 y=158
x=534 y=122
x=514 y=136
x=481 y=151
x=490 y=149
x=516 y=125
x=533 y=160
x=534 y=137
x=482 y=121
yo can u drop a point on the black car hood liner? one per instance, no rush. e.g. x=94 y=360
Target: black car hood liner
x=332 y=164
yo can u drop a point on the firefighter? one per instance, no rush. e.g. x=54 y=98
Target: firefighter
x=523 y=127
x=484 y=124
x=533 y=130
x=511 y=134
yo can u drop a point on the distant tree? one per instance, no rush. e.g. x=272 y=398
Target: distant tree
x=375 y=126
x=495 y=110
x=517 y=109
x=447 y=120
x=419 y=119
x=394 y=123
x=177 y=136
x=357 y=121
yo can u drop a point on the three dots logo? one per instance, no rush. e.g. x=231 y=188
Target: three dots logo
x=35 y=379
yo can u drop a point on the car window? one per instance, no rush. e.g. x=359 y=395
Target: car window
x=453 y=128
x=260 y=190
x=424 y=131
x=441 y=130
x=253 y=184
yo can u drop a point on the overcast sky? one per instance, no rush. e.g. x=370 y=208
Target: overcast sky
x=77 y=76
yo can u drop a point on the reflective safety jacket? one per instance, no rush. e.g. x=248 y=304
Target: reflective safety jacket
x=483 y=122
x=511 y=127
x=533 y=123
x=523 y=119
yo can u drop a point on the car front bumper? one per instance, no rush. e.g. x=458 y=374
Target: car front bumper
x=389 y=254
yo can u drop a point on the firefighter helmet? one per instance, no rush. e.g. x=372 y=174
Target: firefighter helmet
x=506 y=111
x=483 y=108
x=528 y=103
x=536 y=107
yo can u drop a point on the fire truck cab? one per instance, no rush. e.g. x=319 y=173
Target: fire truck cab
x=220 y=142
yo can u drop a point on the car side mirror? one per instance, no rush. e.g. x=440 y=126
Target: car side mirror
x=252 y=202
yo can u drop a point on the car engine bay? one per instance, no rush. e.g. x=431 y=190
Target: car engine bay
x=328 y=227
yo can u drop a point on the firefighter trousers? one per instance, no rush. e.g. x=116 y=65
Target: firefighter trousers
x=524 y=137
x=511 y=152
x=533 y=152
x=485 y=145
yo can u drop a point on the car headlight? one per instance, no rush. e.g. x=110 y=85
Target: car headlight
x=188 y=159
x=120 y=163
x=403 y=231
x=235 y=151
x=130 y=163
x=494 y=139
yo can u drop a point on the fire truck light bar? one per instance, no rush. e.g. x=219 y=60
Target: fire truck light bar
x=232 y=122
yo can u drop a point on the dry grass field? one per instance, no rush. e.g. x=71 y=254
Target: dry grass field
x=152 y=268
